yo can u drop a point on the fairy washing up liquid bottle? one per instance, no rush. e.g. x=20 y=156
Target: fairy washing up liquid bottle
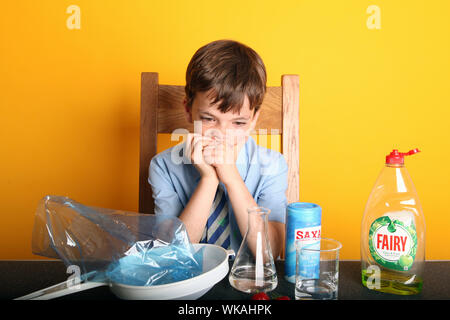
x=393 y=232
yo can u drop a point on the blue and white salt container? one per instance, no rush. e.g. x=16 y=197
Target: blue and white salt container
x=303 y=225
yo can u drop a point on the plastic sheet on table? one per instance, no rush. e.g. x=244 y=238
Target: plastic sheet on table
x=114 y=245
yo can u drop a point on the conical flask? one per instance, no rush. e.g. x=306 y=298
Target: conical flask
x=253 y=268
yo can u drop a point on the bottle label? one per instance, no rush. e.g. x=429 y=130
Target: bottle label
x=308 y=234
x=392 y=244
x=308 y=261
x=296 y=232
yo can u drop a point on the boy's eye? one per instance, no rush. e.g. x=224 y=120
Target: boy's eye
x=207 y=119
x=240 y=123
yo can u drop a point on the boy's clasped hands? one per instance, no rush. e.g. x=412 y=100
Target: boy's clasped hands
x=215 y=157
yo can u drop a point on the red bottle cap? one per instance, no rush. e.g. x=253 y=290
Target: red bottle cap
x=396 y=157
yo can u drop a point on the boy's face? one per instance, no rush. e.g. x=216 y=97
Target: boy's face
x=231 y=126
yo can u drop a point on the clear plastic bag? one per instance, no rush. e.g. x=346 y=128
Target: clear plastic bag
x=114 y=245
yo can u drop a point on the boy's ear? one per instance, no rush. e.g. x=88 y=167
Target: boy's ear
x=187 y=110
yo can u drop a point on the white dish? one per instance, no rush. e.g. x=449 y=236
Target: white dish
x=215 y=268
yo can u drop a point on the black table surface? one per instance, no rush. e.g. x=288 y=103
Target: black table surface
x=18 y=278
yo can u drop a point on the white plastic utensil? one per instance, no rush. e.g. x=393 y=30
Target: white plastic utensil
x=215 y=268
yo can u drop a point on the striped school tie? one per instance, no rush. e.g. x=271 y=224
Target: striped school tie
x=217 y=229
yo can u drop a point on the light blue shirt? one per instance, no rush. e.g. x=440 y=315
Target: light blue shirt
x=174 y=178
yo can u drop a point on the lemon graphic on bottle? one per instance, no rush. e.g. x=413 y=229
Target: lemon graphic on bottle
x=405 y=261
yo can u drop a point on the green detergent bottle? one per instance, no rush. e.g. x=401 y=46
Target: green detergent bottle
x=393 y=232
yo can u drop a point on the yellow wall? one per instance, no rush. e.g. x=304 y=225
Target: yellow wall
x=69 y=102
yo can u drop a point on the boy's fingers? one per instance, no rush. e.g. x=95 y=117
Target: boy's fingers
x=195 y=145
x=208 y=152
x=197 y=150
x=195 y=155
x=207 y=143
x=208 y=157
x=192 y=139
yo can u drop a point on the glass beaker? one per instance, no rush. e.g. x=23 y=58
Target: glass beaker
x=317 y=270
x=253 y=268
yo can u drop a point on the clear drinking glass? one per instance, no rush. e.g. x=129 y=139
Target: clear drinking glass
x=253 y=268
x=317 y=270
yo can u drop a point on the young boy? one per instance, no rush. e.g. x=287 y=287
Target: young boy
x=223 y=171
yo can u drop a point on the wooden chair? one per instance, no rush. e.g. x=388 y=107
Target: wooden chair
x=162 y=112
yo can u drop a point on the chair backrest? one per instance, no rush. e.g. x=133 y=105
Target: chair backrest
x=162 y=112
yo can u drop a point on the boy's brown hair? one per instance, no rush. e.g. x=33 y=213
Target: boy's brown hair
x=229 y=70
